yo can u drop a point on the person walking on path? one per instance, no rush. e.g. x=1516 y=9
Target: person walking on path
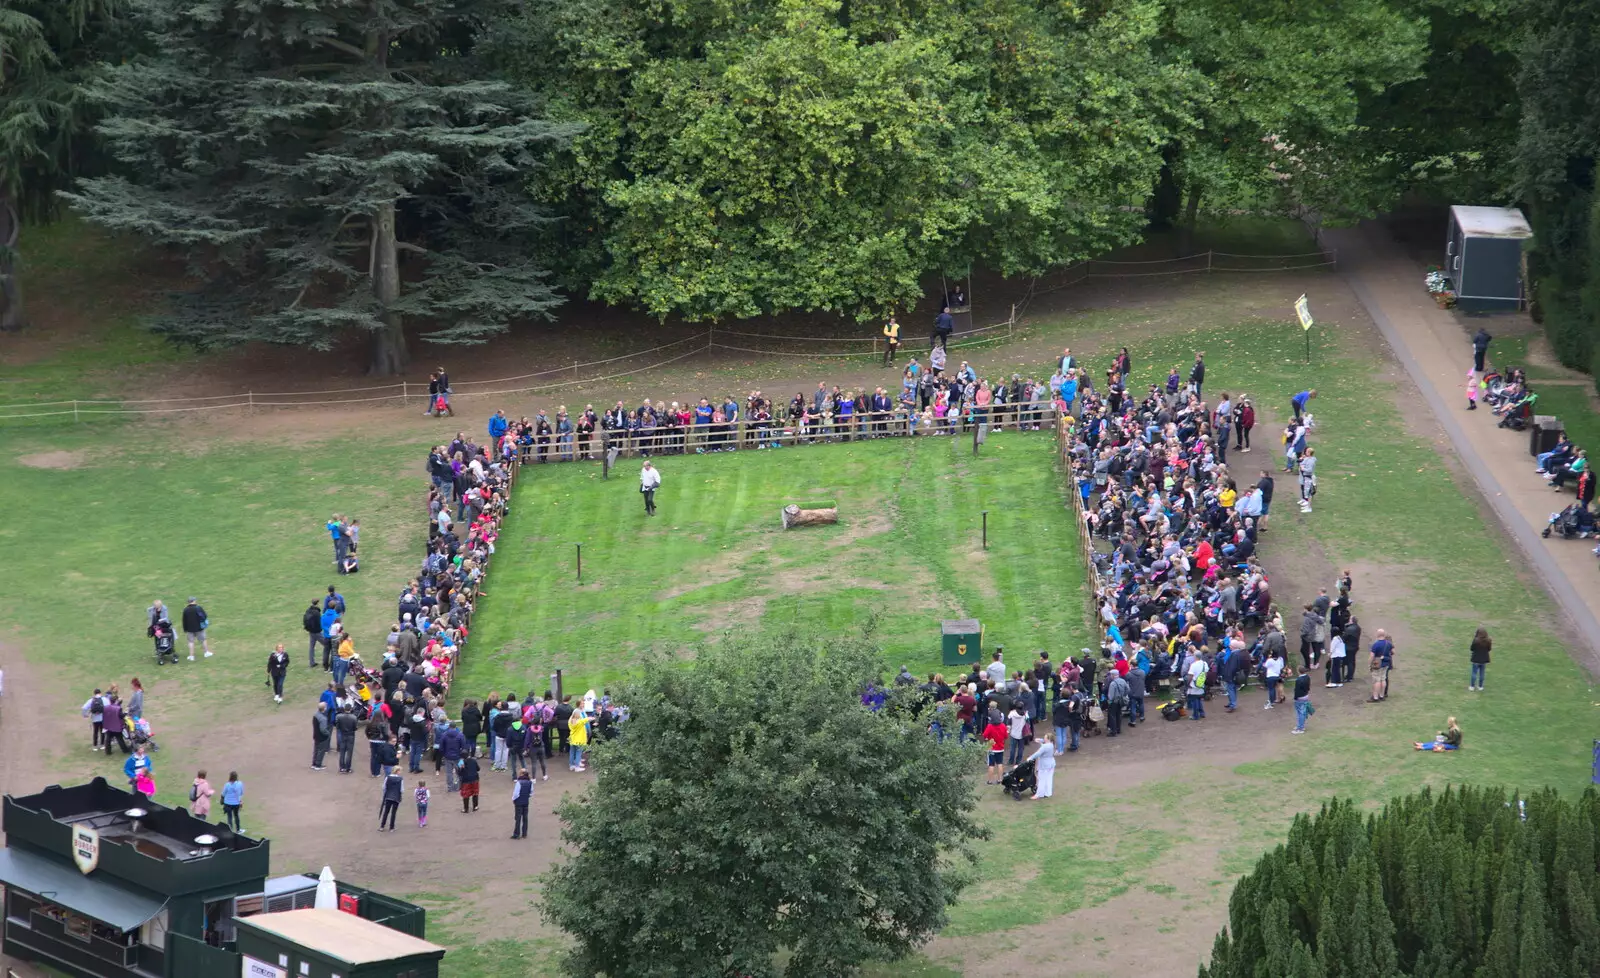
x=468 y=774
x=321 y=732
x=649 y=482
x=194 y=627
x=944 y=325
x=423 y=796
x=1301 y=401
x=1044 y=769
x=1302 y=701
x=1480 y=659
x=277 y=668
x=390 y=806
x=521 y=796
x=891 y=340
x=200 y=796
x=452 y=746
x=1480 y=348
x=1382 y=662
x=232 y=801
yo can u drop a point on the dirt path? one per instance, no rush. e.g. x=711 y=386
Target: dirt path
x=1434 y=347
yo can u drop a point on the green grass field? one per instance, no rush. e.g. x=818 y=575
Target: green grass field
x=152 y=510
x=906 y=553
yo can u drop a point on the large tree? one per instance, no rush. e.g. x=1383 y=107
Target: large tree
x=1557 y=154
x=754 y=805
x=49 y=51
x=811 y=154
x=328 y=166
x=1278 y=128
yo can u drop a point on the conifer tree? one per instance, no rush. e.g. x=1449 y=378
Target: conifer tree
x=327 y=166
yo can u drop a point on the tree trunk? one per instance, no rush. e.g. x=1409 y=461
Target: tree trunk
x=10 y=284
x=1191 y=217
x=1167 y=197
x=389 y=343
x=794 y=516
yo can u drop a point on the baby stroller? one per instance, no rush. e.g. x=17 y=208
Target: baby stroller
x=166 y=643
x=1022 y=782
x=1574 y=522
x=1517 y=414
x=138 y=732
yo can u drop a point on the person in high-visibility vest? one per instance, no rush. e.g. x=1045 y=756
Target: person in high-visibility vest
x=891 y=340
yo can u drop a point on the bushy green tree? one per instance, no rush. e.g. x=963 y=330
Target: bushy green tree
x=328 y=166
x=1470 y=883
x=49 y=51
x=1557 y=153
x=809 y=154
x=754 y=805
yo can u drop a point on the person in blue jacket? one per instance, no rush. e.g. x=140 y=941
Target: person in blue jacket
x=1298 y=402
x=136 y=762
x=330 y=617
x=498 y=426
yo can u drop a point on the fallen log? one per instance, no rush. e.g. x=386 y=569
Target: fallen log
x=794 y=516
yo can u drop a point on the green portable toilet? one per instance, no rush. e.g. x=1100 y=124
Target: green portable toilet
x=963 y=642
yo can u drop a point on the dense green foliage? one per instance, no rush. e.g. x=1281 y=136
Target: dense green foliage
x=296 y=151
x=1469 y=882
x=756 y=806
x=49 y=51
x=1556 y=168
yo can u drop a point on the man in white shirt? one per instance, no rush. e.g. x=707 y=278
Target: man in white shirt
x=649 y=482
x=997 y=669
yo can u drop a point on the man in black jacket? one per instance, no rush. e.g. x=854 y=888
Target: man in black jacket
x=563 y=714
x=521 y=796
x=345 y=726
x=277 y=667
x=194 y=626
x=321 y=733
x=311 y=621
x=1197 y=373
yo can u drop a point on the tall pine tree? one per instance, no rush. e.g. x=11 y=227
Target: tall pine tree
x=327 y=166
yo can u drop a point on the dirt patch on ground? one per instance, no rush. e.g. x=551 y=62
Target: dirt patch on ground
x=53 y=460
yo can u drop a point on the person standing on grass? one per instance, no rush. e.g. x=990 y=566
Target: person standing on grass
x=994 y=732
x=521 y=797
x=195 y=623
x=232 y=801
x=1197 y=374
x=1017 y=729
x=277 y=668
x=1480 y=348
x=1301 y=402
x=311 y=621
x=891 y=339
x=1266 y=485
x=1382 y=662
x=111 y=724
x=442 y=399
x=390 y=806
x=135 y=707
x=649 y=482
x=95 y=709
x=1302 y=701
x=1480 y=659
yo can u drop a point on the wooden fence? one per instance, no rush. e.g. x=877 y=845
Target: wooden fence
x=1091 y=574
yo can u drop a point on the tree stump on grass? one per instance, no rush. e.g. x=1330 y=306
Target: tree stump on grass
x=809 y=514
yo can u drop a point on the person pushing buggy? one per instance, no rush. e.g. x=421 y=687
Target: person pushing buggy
x=159 y=628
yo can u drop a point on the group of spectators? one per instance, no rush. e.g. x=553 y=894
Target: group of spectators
x=929 y=401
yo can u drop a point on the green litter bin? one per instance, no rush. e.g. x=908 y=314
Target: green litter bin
x=963 y=641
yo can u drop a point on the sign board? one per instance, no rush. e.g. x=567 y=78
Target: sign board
x=254 y=968
x=1302 y=309
x=85 y=847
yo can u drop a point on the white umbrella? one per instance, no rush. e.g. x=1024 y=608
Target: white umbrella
x=327 y=891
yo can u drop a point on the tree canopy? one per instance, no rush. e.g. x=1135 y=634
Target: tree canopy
x=755 y=805
x=1468 y=882
x=295 y=153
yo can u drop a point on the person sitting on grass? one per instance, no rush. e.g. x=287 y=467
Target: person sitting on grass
x=1447 y=739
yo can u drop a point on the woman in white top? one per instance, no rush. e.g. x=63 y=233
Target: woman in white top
x=1044 y=769
x=1274 y=670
